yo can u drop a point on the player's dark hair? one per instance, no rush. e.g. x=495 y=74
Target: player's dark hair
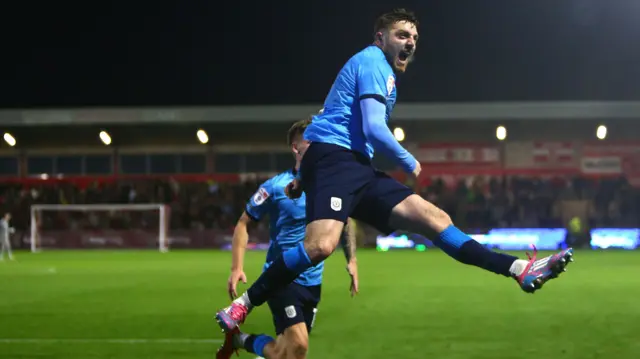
x=386 y=21
x=297 y=129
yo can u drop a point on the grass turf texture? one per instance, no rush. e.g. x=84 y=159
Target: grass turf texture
x=132 y=304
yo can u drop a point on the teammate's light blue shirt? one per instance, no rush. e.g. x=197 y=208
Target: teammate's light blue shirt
x=366 y=74
x=287 y=222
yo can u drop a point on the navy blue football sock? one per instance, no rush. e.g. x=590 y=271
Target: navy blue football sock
x=248 y=343
x=297 y=258
x=466 y=250
x=255 y=343
x=280 y=273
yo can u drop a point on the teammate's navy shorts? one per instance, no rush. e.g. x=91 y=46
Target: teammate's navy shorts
x=294 y=304
x=340 y=183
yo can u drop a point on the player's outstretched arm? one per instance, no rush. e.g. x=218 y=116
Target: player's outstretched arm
x=238 y=249
x=257 y=206
x=377 y=132
x=348 y=240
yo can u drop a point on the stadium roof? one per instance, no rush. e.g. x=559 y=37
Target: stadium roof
x=234 y=114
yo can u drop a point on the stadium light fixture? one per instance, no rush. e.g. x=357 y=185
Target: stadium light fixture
x=398 y=133
x=105 y=138
x=202 y=136
x=601 y=132
x=9 y=139
x=501 y=133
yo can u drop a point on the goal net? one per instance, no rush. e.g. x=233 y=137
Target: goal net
x=110 y=226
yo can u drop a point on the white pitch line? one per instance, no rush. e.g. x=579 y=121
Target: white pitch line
x=108 y=341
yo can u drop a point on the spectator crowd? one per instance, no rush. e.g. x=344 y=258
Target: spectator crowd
x=475 y=202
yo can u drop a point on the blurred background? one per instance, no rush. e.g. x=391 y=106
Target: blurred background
x=168 y=115
x=484 y=164
x=523 y=116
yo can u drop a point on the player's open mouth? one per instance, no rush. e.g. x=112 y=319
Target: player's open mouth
x=404 y=55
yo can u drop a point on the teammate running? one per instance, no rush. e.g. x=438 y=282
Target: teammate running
x=339 y=181
x=293 y=307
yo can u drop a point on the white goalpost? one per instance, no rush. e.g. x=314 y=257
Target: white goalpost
x=75 y=226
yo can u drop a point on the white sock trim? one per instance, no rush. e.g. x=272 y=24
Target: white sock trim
x=244 y=300
x=518 y=266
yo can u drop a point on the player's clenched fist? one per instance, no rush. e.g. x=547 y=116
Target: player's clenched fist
x=294 y=189
x=234 y=278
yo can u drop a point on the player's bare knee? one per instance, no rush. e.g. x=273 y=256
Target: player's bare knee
x=297 y=338
x=298 y=349
x=322 y=239
x=280 y=350
x=280 y=353
x=437 y=218
x=319 y=250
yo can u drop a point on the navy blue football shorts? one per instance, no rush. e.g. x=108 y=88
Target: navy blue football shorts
x=294 y=304
x=340 y=183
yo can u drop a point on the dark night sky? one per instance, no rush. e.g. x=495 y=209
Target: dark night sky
x=195 y=53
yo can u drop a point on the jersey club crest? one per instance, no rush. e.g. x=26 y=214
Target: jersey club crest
x=391 y=82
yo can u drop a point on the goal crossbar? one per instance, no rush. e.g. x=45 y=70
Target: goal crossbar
x=162 y=208
x=97 y=207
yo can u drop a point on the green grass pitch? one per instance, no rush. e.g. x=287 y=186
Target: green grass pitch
x=145 y=304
